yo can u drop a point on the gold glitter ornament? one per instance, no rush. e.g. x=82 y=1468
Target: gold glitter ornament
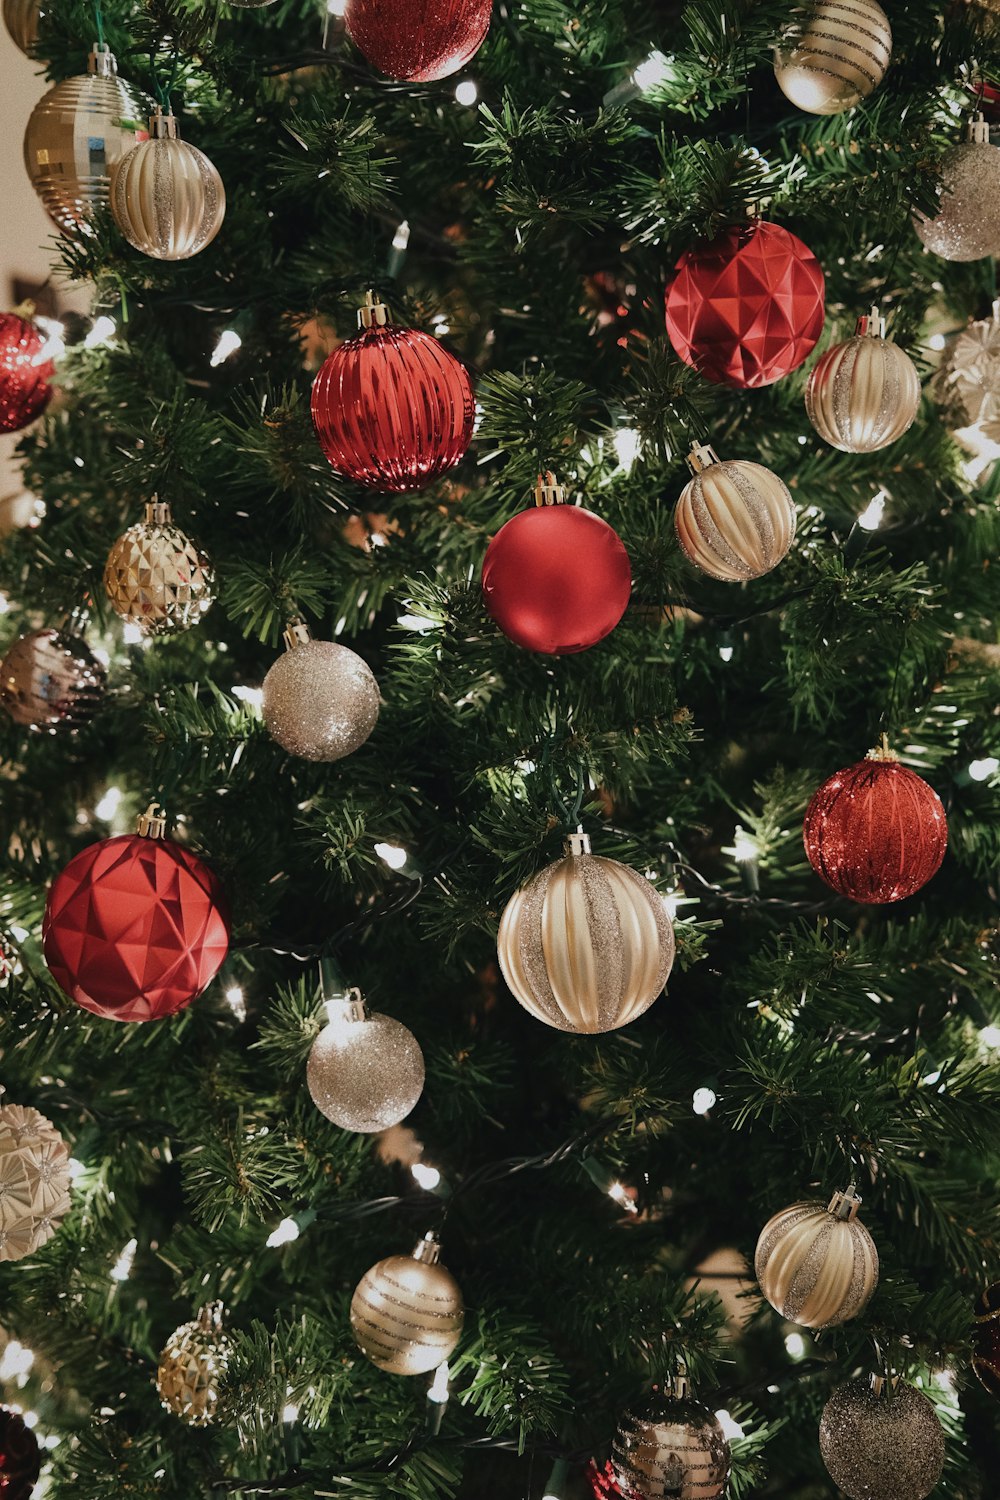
x=321 y=700
x=77 y=134
x=407 y=1311
x=365 y=1071
x=193 y=1367
x=817 y=1266
x=833 y=55
x=881 y=1440
x=50 y=680
x=167 y=199
x=156 y=578
x=34 y=1181
x=863 y=394
x=967 y=223
x=21 y=18
x=671 y=1447
x=734 y=520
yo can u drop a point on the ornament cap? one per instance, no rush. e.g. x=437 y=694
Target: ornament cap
x=845 y=1204
x=373 y=313
x=348 y=1009
x=678 y=1385
x=163 y=127
x=578 y=843
x=152 y=824
x=882 y=752
x=297 y=633
x=977 y=132
x=702 y=456
x=158 y=512
x=428 y=1250
x=102 y=61
x=548 y=490
x=210 y=1317
x=870 y=325
x=883 y=1385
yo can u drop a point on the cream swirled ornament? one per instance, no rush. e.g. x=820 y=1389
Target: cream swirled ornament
x=735 y=520
x=863 y=394
x=833 y=55
x=407 y=1312
x=817 y=1265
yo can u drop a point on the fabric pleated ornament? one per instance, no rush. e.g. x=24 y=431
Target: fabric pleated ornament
x=863 y=394
x=734 y=520
x=168 y=199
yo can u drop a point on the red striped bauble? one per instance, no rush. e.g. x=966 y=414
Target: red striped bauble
x=875 y=831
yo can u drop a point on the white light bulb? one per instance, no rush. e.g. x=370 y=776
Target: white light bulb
x=626 y=444
x=870 y=518
x=653 y=72
x=122 y=1268
x=290 y=1413
x=4 y=604
x=17 y=1360
x=76 y=1169
x=703 y=1100
x=102 y=331
x=744 y=848
x=252 y=696
x=467 y=93
x=990 y=1037
x=618 y=1193
x=420 y=623
x=726 y=652
x=796 y=1345
x=236 y=1002
x=982 y=770
x=936 y=341
x=286 y=1232
x=401 y=238
x=53 y=347
x=392 y=855
x=229 y=342
x=428 y=1177
x=439 y=1385
x=109 y=804
x=729 y=1425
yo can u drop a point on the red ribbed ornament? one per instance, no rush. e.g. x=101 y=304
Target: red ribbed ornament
x=747 y=309
x=24 y=373
x=418 y=41
x=392 y=409
x=20 y=1460
x=876 y=831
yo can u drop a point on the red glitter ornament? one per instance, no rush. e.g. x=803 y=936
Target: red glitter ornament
x=556 y=578
x=748 y=308
x=20 y=1460
x=25 y=372
x=602 y=1481
x=876 y=831
x=418 y=41
x=392 y=408
x=135 y=926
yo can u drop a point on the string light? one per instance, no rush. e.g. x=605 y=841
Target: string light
x=392 y=855
x=619 y=1193
x=16 y=1362
x=102 y=331
x=626 y=442
x=54 y=347
x=726 y=652
x=76 y=1169
x=401 y=238
x=870 y=518
x=122 y=1268
x=652 y=73
x=336 y=7
x=290 y=1413
x=467 y=93
x=796 y=1346
x=439 y=1387
x=109 y=804
x=555 y=1487
x=729 y=1425
x=252 y=696
x=428 y=1177
x=982 y=770
x=236 y=1002
x=286 y=1232
x=990 y=1037
x=229 y=342
x=703 y=1100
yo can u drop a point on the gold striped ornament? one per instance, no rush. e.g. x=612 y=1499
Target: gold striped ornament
x=735 y=520
x=21 y=19
x=586 y=945
x=167 y=198
x=817 y=1266
x=407 y=1311
x=864 y=393
x=672 y=1447
x=833 y=55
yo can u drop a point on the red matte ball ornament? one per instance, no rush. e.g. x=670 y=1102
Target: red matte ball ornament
x=876 y=831
x=136 y=927
x=418 y=41
x=392 y=409
x=748 y=308
x=556 y=578
x=25 y=372
x=20 y=1460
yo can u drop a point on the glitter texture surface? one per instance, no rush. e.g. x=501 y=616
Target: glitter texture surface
x=24 y=374
x=815 y=1269
x=863 y=394
x=881 y=1447
x=735 y=520
x=321 y=701
x=834 y=56
x=34 y=1181
x=192 y=1368
x=50 y=680
x=967 y=225
x=366 y=1075
x=671 y=1448
x=168 y=199
x=158 y=578
x=418 y=41
x=407 y=1315
x=20 y=1459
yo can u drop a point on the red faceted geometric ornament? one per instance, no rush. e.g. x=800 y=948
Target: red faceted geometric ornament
x=25 y=373
x=135 y=926
x=418 y=41
x=876 y=831
x=748 y=308
x=392 y=408
x=20 y=1459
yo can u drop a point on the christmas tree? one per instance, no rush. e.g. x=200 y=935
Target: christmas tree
x=342 y=988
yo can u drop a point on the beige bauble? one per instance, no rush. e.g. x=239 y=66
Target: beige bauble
x=817 y=1266
x=967 y=223
x=833 y=55
x=671 y=1449
x=586 y=946
x=21 y=19
x=734 y=520
x=407 y=1312
x=365 y=1071
x=156 y=578
x=19 y=508
x=34 y=1181
x=193 y=1366
x=863 y=394
x=167 y=198
x=51 y=681
x=321 y=700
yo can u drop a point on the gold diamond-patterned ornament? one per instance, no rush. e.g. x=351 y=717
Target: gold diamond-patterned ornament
x=156 y=577
x=167 y=198
x=193 y=1368
x=407 y=1312
x=34 y=1181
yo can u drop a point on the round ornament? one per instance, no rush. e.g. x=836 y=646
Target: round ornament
x=365 y=1070
x=875 y=831
x=9 y=962
x=734 y=520
x=156 y=577
x=881 y=1440
x=25 y=372
x=967 y=385
x=986 y=1340
x=586 y=946
x=77 y=134
x=407 y=1311
x=21 y=18
x=50 y=680
x=418 y=41
x=833 y=55
x=321 y=700
x=817 y=1266
x=20 y=1458
x=136 y=927
x=967 y=223
x=863 y=394
x=747 y=309
x=34 y=1181
x=193 y=1367
x=556 y=578
x=392 y=409
x=672 y=1447
x=167 y=198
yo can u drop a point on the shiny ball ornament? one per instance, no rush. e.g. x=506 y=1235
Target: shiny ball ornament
x=418 y=41
x=967 y=223
x=863 y=394
x=967 y=385
x=167 y=198
x=556 y=578
x=673 y=1448
x=20 y=1457
x=25 y=372
x=51 y=681
x=365 y=1071
x=392 y=409
x=833 y=55
x=77 y=134
x=136 y=927
x=21 y=18
x=193 y=1367
x=586 y=946
x=816 y=1265
x=34 y=1181
x=407 y=1312
x=986 y=1340
x=875 y=831
x=734 y=520
x=156 y=578
x=881 y=1440
x=747 y=309
x=321 y=700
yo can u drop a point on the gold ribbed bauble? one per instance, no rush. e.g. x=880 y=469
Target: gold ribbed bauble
x=734 y=520
x=863 y=394
x=967 y=223
x=407 y=1311
x=365 y=1070
x=817 y=1266
x=77 y=134
x=586 y=945
x=321 y=700
x=168 y=199
x=833 y=55
x=881 y=1440
x=34 y=1181
x=156 y=578
x=193 y=1368
x=21 y=19
x=672 y=1447
x=50 y=680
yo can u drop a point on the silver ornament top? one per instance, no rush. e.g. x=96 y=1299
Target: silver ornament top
x=870 y=325
x=102 y=61
x=702 y=456
x=428 y=1250
x=548 y=490
x=373 y=313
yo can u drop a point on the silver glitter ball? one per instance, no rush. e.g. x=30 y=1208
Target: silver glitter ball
x=881 y=1445
x=672 y=1447
x=51 y=681
x=967 y=225
x=320 y=701
x=365 y=1072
